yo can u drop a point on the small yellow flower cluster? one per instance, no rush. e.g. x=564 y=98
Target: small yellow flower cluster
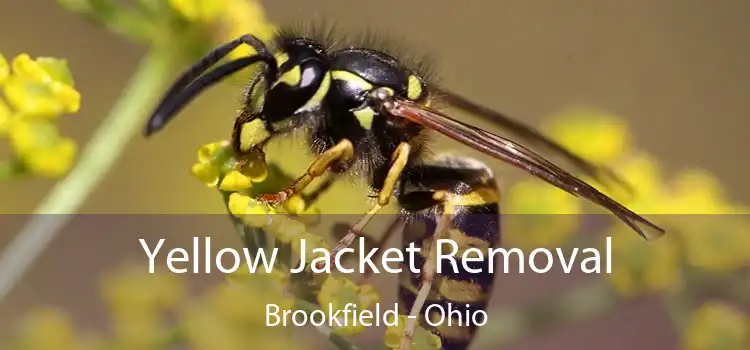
x=136 y=302
x=153 y=311
x=643 y=267
x=50 y=329
x=717 y=325
x=37 y=92
x=337 y=292
x=233 y=315
x=215 y=165
x=541 y=215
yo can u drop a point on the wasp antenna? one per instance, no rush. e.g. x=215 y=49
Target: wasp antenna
x=182 y=91
x=179 y=100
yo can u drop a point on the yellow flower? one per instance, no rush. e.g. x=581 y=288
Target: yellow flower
x=198 y=10
x=422 y=339
x=48 y=329
x=698 y=192
x=252 y=212
x=41 y=88
x=4 y=69
x=136 y=300
x=338 y=292
x=206 y=173
x=53 y=161
x=640 y=266
x=241 y=17
x=312 y=242
x=715 y=243
x=287 y=230
x=595 y=135
x=234 y=316
x=216 y=161
x=716 y=325
x=642 y=172
x=209 y=151
x=235 y=181
x=540 y=215
x=6 y=116
x=132 y=288
x=43 y=151
x=295 y=205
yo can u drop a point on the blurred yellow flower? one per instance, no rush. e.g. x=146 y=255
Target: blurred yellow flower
x=37 y=91
x=541 y=215
x=232 y=18
x=715 y=243
x=640 y=266
x=6 y=116
x=697 y=192
x=47 y=329
x=716 y=325
x=136 y=301
x=198 y=10
x=233 y=317
x=241 y=17
x=312 y=242
x=642 y=172
x=131 y=288
x=421 y=340
x=338 y=292
x=38 y=144
x=287 y=230
x=252 y=212
x=4 y=69
x=595 y=135
x=41 y=88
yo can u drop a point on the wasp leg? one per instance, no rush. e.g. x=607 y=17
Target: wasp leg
x=315 y=194
x=429 y=271
x=398 y=163
x=388 y=233
x=341 y=152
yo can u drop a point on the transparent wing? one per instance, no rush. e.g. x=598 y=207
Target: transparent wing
x=528 y=134
x=519 y=156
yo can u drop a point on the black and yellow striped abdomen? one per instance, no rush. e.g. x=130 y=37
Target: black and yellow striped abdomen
x=456 y=293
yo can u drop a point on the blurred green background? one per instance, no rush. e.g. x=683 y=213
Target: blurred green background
x=675 y=71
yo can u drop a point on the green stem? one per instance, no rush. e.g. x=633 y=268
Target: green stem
x=102 y=151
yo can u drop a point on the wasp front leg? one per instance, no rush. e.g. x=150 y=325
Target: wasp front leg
x=399 y=160
x=342 y=152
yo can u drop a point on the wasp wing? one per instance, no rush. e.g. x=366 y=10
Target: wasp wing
x=527 y=133
x=517 y=155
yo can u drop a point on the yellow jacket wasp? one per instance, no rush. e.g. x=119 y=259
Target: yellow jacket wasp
x=366 y=113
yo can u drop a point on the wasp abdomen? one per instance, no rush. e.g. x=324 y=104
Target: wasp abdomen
x=456 y=304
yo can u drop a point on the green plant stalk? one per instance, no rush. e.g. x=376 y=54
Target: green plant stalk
x=97 y=159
